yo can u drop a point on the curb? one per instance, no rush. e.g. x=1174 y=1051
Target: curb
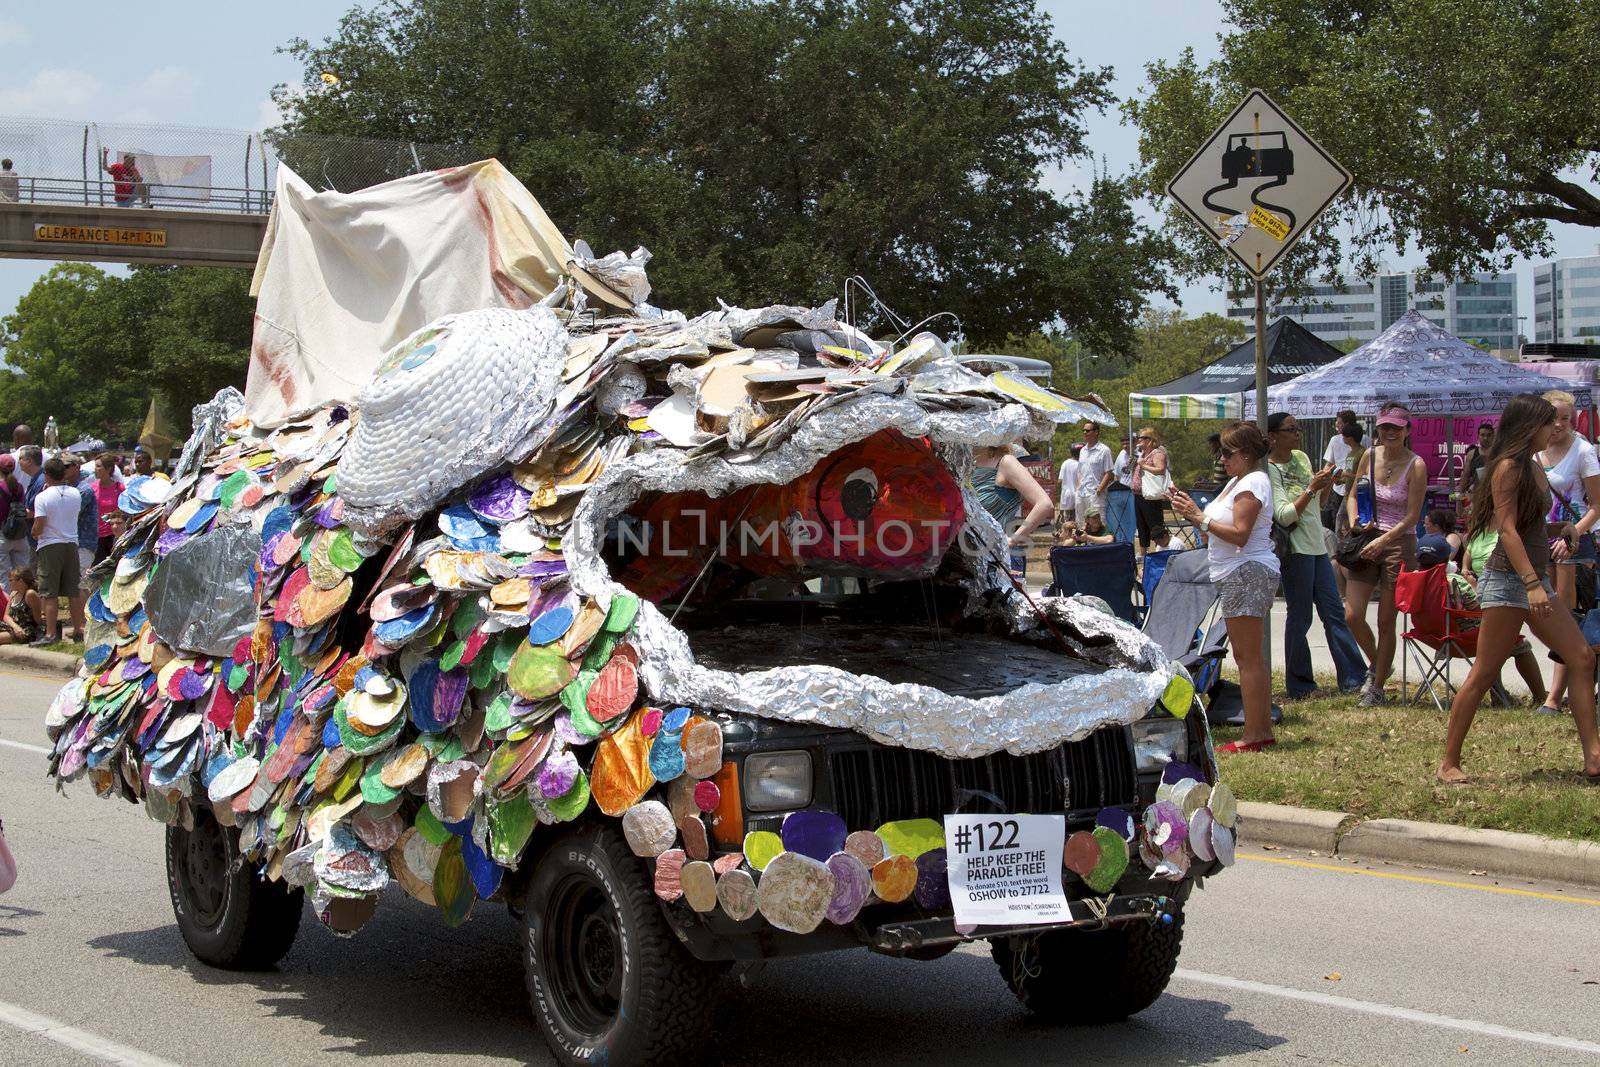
x=1422 y=844
x=34 y=659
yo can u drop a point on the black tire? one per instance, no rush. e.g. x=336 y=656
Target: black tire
x=1081 y=978
x=229 y=916
x=607 y=978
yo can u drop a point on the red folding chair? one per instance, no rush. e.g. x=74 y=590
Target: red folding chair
x=1435 y=634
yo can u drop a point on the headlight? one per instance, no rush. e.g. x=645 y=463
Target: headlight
x=777 y=781
x=1157 y=742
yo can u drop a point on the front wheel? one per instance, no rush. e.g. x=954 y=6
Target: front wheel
x=229 y=916
x=607 y=979
x=1081 y=977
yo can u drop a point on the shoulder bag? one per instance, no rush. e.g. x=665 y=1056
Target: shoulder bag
x=1281 y=532
x=1153 y=486
x=1348 y=545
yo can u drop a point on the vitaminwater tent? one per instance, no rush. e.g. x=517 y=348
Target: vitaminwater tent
x=1217 y=390
x=1418 y=364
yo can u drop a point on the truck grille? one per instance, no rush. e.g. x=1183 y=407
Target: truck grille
x=872 y=786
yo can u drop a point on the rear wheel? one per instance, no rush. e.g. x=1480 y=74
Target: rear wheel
x=1084 y=977
x=228 y=915
x=607 y=978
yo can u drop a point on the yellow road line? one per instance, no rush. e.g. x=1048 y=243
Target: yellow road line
x=1419 y=878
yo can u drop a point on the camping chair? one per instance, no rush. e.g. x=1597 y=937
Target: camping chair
x=1181 y=601
x=1105 y=571
x=1155 y=565
x=1434 y=634
x=1183 y=620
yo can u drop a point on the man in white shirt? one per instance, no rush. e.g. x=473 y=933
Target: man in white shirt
x=55 y=527
x=1067 y=502
x=1094 y=471
x=1123 y=469
x=10 y=184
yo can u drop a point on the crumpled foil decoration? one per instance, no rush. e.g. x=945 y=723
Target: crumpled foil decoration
x=207 y=421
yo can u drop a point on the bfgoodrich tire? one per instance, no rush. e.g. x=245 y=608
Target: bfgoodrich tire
x=607 y=979
x=228 y=915
x=1081 y=977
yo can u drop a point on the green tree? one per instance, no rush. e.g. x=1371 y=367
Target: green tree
x=766 y=151
x=1167 y=345
x=1469 y=127
x=91 y=349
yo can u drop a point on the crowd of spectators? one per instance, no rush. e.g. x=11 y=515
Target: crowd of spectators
x=58 y=518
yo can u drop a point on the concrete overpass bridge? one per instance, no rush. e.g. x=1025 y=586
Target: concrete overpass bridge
x=200 y=197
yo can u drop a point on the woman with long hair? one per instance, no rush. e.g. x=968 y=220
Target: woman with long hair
x=1399 y=483
x=1513 y=588
x=1238 y=525
x=1003 y=485
x=1573 y=470
x=1150 y=509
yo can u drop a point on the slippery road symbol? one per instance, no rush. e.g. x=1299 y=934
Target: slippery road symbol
x=1242 y=160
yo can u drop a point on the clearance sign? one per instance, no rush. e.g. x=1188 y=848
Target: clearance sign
x=99 y=235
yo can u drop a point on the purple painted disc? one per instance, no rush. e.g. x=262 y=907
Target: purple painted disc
x=933 y=889
x=852 y=882
x=818 y=834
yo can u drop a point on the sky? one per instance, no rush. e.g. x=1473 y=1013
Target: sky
x=213 y=65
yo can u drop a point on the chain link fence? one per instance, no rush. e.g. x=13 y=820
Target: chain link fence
x=195 y=168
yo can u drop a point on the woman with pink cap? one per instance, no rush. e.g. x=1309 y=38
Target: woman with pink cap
x=1399 y=483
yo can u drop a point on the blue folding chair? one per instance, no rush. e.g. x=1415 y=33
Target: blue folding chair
x=1105 y=571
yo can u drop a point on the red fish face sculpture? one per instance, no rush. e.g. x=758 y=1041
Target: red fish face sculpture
x=884 y=507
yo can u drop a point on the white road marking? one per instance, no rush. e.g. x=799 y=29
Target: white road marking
x=100 y=1048
x=1390 y=1011
x=24 y=746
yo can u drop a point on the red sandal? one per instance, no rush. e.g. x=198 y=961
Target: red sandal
x=1233 y=747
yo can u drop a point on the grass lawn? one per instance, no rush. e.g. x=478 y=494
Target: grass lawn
x=1380 y=763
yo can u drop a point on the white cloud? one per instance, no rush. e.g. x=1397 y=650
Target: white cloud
x=167 y=83
x=13 y=32
x=52 y=92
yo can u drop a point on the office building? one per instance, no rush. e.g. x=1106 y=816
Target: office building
x=1566 y=301
x=1482 y=308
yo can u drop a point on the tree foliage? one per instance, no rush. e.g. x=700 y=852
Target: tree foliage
x=765 y=150
x=1168 y=345
x=1469 y=127
x=92 y=349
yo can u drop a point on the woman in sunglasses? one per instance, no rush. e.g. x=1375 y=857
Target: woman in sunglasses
x=1399 y=482
x=1238 y=525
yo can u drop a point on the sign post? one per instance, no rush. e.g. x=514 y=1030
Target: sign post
x=1255 y=186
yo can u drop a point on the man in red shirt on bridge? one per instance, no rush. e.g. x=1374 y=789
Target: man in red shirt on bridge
x=129 y=183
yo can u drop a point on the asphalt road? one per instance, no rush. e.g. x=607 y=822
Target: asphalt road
x=1287 y=958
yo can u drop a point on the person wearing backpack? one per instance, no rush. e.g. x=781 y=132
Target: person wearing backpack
x=14 y=522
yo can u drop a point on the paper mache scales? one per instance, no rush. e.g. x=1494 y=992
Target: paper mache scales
x=405 y=684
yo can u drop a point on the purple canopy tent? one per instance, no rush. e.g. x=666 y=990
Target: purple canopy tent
x=1415 y=362
x=1418 y=364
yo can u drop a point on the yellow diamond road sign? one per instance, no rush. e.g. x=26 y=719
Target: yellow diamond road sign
x=1258 y=183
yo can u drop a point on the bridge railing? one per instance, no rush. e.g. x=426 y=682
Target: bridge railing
x=75 y=192
x=196 y=168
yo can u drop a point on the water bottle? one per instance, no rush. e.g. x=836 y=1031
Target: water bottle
x=52 y=436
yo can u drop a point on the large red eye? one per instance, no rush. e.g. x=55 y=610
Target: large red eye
x=859 y=494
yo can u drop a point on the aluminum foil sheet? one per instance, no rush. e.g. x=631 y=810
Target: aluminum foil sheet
x=202 y=598
x=208 y=419
x=454 y=399
x=1029 y=719
x=623 y=273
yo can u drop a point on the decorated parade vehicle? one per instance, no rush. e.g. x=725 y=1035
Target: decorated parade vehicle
x=684 y=638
